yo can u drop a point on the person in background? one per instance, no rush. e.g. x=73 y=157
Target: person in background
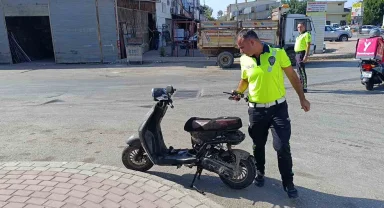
x=302 y=49
x=156 y=38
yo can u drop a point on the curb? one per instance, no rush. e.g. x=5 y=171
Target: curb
x=335 y=56
x=213 y=60
x=175 y=60
x=168 y=60
x=144 y=180
x=319 y=57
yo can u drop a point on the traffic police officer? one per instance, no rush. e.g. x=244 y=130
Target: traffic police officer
x=262 y=70
x=302 y=49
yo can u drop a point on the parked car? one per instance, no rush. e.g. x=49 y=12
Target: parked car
x=332 y=34
x=335 y=25
x=346 y=27
x=365 y=29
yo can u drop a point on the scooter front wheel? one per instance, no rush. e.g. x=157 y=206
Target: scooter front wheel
x=135 y=158
x=245 y=178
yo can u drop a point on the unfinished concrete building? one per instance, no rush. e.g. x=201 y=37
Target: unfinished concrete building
x=72 y=31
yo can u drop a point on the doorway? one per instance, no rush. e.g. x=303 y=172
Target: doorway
x=30 y=38
x=151 y=27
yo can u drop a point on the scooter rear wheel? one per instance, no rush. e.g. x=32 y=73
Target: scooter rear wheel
x=134 y=158
x=246 y=177
x=369 y=85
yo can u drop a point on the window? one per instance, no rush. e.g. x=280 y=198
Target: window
x=307 y=21
x=328 y=23
x=163 y=7
x=328 y=28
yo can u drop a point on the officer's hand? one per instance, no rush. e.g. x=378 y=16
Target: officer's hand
x=235 y=95
x=305 y=59
x=305 y=105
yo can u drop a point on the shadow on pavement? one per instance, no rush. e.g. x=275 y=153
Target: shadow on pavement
x=330 y=50
x=376 y=90
x=189 y=64
x=272 y=193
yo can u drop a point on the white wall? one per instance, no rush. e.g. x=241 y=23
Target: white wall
x=319 y=23
x=163 y=12
x=333 y=7
x=254 y=15
x=335 y=18
x=163 y=9
x=196 y=11
x=253 y=7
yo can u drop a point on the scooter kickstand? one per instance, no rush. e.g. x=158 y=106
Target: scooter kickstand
x=198 y=172
x=198 y=190
x=198 y=177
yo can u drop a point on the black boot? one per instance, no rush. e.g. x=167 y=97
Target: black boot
x=291 y=190
x=259 y=180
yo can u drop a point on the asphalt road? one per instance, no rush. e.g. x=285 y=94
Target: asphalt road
x=85 y=113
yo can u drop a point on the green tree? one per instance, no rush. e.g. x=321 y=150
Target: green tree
x=219 y=13
x=207 y=11
x=373 y=12
x=349 y=18
x=221 y=16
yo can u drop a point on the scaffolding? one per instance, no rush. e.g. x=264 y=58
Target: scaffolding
x=183 y=40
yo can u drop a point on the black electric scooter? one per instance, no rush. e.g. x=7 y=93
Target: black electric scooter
x=211 y=138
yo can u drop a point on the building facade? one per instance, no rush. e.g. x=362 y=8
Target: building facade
x=42 y=29
x=172 y=16
x=72 y=31
x=336 y=13
x=164 y=20
x=253 y=10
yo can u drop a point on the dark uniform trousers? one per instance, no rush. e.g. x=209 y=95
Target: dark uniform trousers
x=301 y=68
x=260 y=121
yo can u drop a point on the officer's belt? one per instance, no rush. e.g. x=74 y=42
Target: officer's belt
x=267 y=105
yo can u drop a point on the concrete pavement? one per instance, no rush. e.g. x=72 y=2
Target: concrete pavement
x=85 y=112
x=78 y=184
